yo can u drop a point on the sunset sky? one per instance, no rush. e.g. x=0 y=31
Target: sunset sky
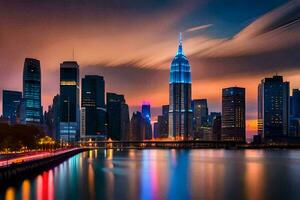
x=132 y=42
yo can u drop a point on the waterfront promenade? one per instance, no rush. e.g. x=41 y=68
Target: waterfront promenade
x=32 y=156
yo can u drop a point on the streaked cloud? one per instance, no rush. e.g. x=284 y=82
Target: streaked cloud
x=131 y=43
x=197 y=28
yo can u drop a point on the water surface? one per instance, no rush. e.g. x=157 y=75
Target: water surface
x=167 y=174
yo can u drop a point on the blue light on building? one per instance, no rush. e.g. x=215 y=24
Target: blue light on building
x=180 y=112
x=32 y=109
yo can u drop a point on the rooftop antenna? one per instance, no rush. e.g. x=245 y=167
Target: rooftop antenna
x=179 y=51
x=180 y=38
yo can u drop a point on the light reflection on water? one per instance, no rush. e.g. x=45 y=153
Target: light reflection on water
x=167 y=174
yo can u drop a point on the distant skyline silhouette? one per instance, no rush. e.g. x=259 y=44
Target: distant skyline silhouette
x=132 y=45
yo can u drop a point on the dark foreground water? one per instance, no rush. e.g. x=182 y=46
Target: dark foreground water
x=167 y=174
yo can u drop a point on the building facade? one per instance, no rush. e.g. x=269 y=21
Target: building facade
x=146 y=112
x=200 y=116
x=273 y=108
x=294 y=125
x=69 y=101
x=118 y=124
x=295 y=104
x=93 y=115
x=180 y=111
x=32 y=108
x=10 y=105
x=137 y=127
x=233 y=114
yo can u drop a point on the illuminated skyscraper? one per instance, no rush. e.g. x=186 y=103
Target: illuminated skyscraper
x=233 y=114
x=32 y=109
x=180 y=112
x=69 y=101
x=146 y=112
x=273 y=108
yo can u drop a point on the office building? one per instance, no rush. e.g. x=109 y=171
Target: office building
x=216 y=128
x=93 y=111
x=200 y=115
x=32 y=108
x=10 y=105
x=137 y=127
x=69 y=101
x=146 y=112
x=117 y=117
x=156 y=130
x=52 y=118
x=233 y=114
x=180 y=111
x=273 y=108
x=295 y=104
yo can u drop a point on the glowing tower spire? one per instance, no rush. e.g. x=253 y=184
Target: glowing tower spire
x=180 y=112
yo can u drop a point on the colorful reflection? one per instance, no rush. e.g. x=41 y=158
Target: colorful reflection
x=110 y=177
x=10 y=193
x=206 y=174
x=149 y=176
x=254 y=175
x=91 y=181
x=166 y=174
x=26 y=190
x=45 y=186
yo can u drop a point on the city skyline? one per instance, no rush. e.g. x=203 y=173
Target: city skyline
x=125 y=73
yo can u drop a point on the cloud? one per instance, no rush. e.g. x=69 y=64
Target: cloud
x=197 y=28
x=270 y=44
x=131 y=43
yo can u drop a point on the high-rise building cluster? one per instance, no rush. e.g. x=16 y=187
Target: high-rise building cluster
x=69 y=119
x=83 y=110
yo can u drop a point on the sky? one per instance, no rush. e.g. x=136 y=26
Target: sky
x=132 y=43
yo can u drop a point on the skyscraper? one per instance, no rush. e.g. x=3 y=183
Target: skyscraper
x=137 y=127
x=146 y=112
x=117 y=117
x=294 y=126
x=93 y=103
x=200 y=115
x=52 y=118
x=162 y=123
x=180 y=112
x=69 y=101
x=216 y=128
x=32 y=91
x=233 y=114
x=156 y=130
x=295 y=104
x=273 y=108
x=125 y=122
x=10 y=104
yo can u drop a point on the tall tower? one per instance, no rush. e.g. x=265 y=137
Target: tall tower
x=180 y=112
x=93 y=103
x=32 y=91
x=118 y=123
x=146 y=112
x=233 y=114
x=273 y=108
x=69 y=101
x=10 y=104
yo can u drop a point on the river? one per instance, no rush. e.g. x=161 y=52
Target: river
x=166 y=174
